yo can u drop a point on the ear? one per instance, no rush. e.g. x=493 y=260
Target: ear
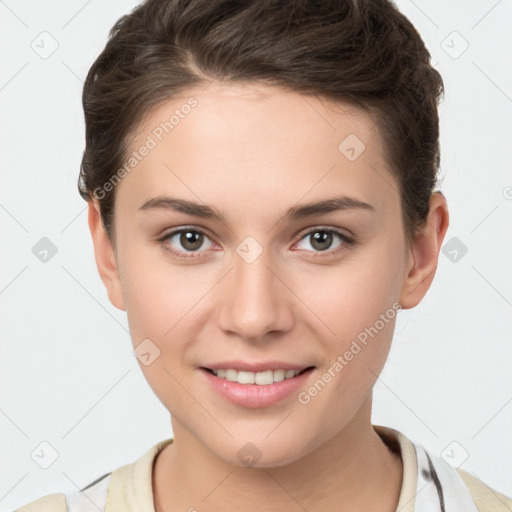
x=424 y=252
x=105 y=257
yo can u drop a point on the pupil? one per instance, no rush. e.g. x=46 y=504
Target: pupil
x=321 y=237
x=191 y=240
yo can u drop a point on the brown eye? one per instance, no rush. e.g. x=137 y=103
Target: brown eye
x=191 y=240
x=322 y=240
x=185 y=240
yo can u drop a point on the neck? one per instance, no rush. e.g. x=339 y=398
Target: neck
x=354 y=467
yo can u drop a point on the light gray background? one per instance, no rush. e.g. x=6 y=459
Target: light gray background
x=68 y=375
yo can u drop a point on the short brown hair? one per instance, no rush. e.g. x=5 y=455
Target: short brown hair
x=363 y=52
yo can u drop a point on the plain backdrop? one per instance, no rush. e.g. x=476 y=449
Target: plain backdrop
x=72 y=395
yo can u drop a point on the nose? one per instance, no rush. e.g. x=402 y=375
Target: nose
x=255 y=301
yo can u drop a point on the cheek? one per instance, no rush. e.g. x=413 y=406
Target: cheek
x=357 y=303
x=350 y=298
x=165 y=305
x=160 y=308
x=159 y=297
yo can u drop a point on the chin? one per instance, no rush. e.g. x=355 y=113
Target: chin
x=261 y=452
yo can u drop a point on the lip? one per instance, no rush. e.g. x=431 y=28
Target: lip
x=255 y=396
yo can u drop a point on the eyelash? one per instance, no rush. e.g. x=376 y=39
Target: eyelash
x=347 y=241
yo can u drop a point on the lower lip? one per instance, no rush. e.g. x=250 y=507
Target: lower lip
x=254 y=395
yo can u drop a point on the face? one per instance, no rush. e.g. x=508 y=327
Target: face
x=224 y=266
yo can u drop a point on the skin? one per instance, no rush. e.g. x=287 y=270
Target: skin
x=251 y=152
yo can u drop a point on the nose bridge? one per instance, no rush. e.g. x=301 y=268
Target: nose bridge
x=255 y=302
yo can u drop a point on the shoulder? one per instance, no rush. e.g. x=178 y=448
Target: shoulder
x=49 y=503
x=428 y=478
x=485 y=497
x=91 y=498
x=125 y=488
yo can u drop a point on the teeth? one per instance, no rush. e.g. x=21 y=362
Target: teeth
x=261 y=378
x=279 y=375
x=232 y=375
x=246 y=377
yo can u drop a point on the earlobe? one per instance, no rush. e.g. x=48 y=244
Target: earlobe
x=424 y=252
x=105 y=257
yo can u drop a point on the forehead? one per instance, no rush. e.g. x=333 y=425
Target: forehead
x=251 y=140
x=222 y=110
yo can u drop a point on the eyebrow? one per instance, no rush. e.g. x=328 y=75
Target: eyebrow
x=339 y=203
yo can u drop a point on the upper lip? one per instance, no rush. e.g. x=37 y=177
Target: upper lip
x=255 y=367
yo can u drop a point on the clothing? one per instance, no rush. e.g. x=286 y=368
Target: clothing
x=429 y=484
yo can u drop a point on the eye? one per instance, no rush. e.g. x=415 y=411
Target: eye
x=192 y=242
x=321 y=240
x=190 y=239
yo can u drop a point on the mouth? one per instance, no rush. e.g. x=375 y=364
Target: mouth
x=256 y=384
x=261 y=378
x=269 y=386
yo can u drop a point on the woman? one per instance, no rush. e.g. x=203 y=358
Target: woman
x=261 y=186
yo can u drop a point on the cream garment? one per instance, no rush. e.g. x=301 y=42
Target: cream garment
x=429 y=484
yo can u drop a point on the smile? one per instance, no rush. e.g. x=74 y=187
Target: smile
x=263 y=378
x=256 y=389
